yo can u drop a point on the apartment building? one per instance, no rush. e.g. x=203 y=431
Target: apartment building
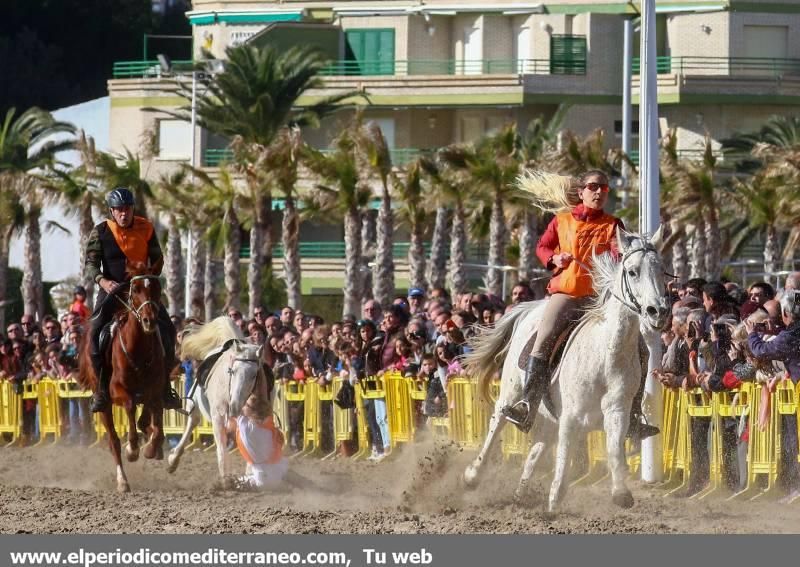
x=443 y=71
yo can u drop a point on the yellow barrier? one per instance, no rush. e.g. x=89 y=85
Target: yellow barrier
x=342 y=421
x=515 y=443
x=763 y=449
x=174 y=421
x=693 y=404
x=10 y=412
x=295 y=393
x=49 y=410
x=469 y=419
x=311 y=420
x=280 y=408
x=399 y=408
x=361 y=424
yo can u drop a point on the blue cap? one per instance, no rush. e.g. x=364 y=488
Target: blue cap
x=416 y=292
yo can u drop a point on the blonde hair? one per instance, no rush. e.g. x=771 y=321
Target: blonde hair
x=548 y=191
x=199 y=340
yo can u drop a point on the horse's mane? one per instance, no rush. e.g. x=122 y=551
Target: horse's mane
x=549 y=192
x=199 y=340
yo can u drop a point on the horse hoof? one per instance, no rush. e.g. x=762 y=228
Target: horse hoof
x=172 y=463
x=131 y=454
x=123 y=487
x=623 y=499
x=159 y=454
x=470 y=477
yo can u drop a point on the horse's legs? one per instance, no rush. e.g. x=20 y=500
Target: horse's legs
x=116 y=449
x=155 y=444
x=567 y=429
x=132 y=448
x=527 y=470
x=496 y=425
x=221 y=440
x=174 y=458
x=615 y=423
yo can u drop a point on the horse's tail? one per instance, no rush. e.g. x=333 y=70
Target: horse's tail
x=86 y=377
x=199 y=340
x=490 y=347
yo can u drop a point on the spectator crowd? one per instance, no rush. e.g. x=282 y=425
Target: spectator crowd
x=719 y=336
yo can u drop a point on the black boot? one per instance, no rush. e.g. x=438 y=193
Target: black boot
x=171 y=398
x=101 y=399
x=537 y=380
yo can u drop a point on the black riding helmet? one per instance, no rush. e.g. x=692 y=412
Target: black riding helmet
x=120 y=197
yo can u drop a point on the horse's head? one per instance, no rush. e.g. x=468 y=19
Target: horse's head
x=244 y=366
x=642 y=277
x=144 y=296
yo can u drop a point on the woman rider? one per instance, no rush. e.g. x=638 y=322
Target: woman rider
x=567 y=247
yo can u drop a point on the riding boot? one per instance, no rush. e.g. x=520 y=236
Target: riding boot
x=537 y=380
x=167 y=333
x=171 y=398
x=638 y=428
x=101 y=397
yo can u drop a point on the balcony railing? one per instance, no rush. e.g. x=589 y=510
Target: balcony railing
x=697 y=155
x=756 y=66
x=335 y=250
x=443 y=67
x=138 y=69
x=400 y=156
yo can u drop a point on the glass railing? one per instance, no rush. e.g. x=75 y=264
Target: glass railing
x=757 y=66
x=697 y=155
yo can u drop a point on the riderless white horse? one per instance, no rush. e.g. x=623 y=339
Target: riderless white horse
x=600 y=371
x=236 y=371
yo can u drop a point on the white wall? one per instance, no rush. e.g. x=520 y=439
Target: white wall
x=60 y=251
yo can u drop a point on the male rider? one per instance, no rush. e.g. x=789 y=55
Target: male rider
x=112 y=244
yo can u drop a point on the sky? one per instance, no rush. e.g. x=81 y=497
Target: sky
x=60 y=251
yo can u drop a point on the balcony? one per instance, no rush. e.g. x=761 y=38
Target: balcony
x=727 y=80
x=214 y=157
x=398 y=83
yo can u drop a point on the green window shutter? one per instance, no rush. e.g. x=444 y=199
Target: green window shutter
x=370 y=51
x=568 y=55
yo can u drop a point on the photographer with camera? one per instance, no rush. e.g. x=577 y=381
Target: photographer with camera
x=785 y=347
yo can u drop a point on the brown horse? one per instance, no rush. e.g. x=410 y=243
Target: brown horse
x=137 y=360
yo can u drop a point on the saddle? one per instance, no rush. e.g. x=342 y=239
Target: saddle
x=106 y=334
x=204 y=369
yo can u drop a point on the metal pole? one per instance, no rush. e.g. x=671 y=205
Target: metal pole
x=187 y=300
x=627 y=59
x=652 y=467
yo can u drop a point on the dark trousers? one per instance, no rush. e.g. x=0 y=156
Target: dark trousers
x=790 y=475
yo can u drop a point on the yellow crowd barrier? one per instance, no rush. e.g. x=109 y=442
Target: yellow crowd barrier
x=10 y=412
x=312 y=409
x=399 y=408
x=469 y=416
x=343 y=429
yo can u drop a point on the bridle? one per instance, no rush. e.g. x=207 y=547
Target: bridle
x=230 y=372
x=129 y=305
x=629 y=300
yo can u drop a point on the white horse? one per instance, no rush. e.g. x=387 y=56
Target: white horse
x=600 y=371
x=234 y=376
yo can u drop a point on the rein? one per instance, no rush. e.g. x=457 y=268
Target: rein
x=129 y=306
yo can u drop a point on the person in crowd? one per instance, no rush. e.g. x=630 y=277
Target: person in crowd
x=111 y=245
x=372 y=310
x=272 y=324
x=435 y=395
x=521 y=292
x=695 y=287
x=287 y=317
x=758 y=294
x=79 y=306
x=28 y=324
x=785 y=348
x=260 y=316
x=416 y=301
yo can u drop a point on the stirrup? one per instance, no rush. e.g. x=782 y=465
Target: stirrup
x=511 y=414
x=100 y=402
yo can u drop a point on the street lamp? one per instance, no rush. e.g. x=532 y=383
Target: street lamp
x=212 y=67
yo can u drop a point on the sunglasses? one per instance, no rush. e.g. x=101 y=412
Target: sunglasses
x=594 y=187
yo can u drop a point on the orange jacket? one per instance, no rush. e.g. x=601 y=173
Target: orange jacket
x=133 y=240
x=277 y=444
x=582 y=233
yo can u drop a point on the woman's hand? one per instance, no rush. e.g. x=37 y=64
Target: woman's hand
x=562 y=260
x=109 y=286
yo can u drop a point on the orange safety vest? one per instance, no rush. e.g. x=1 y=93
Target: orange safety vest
x=133 y=240
x=581 y=238
x=277 y=442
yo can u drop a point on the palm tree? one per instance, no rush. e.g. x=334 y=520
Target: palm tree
x=439 y=241
x=125 y=170
x=224 y=232
x=81 y=191
x=25 y=148
x=372 y=145
x=410 y=187
x=453 y=185
x=342 y=192
x=283 y=161
x=249 y=103
x=694 y=199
